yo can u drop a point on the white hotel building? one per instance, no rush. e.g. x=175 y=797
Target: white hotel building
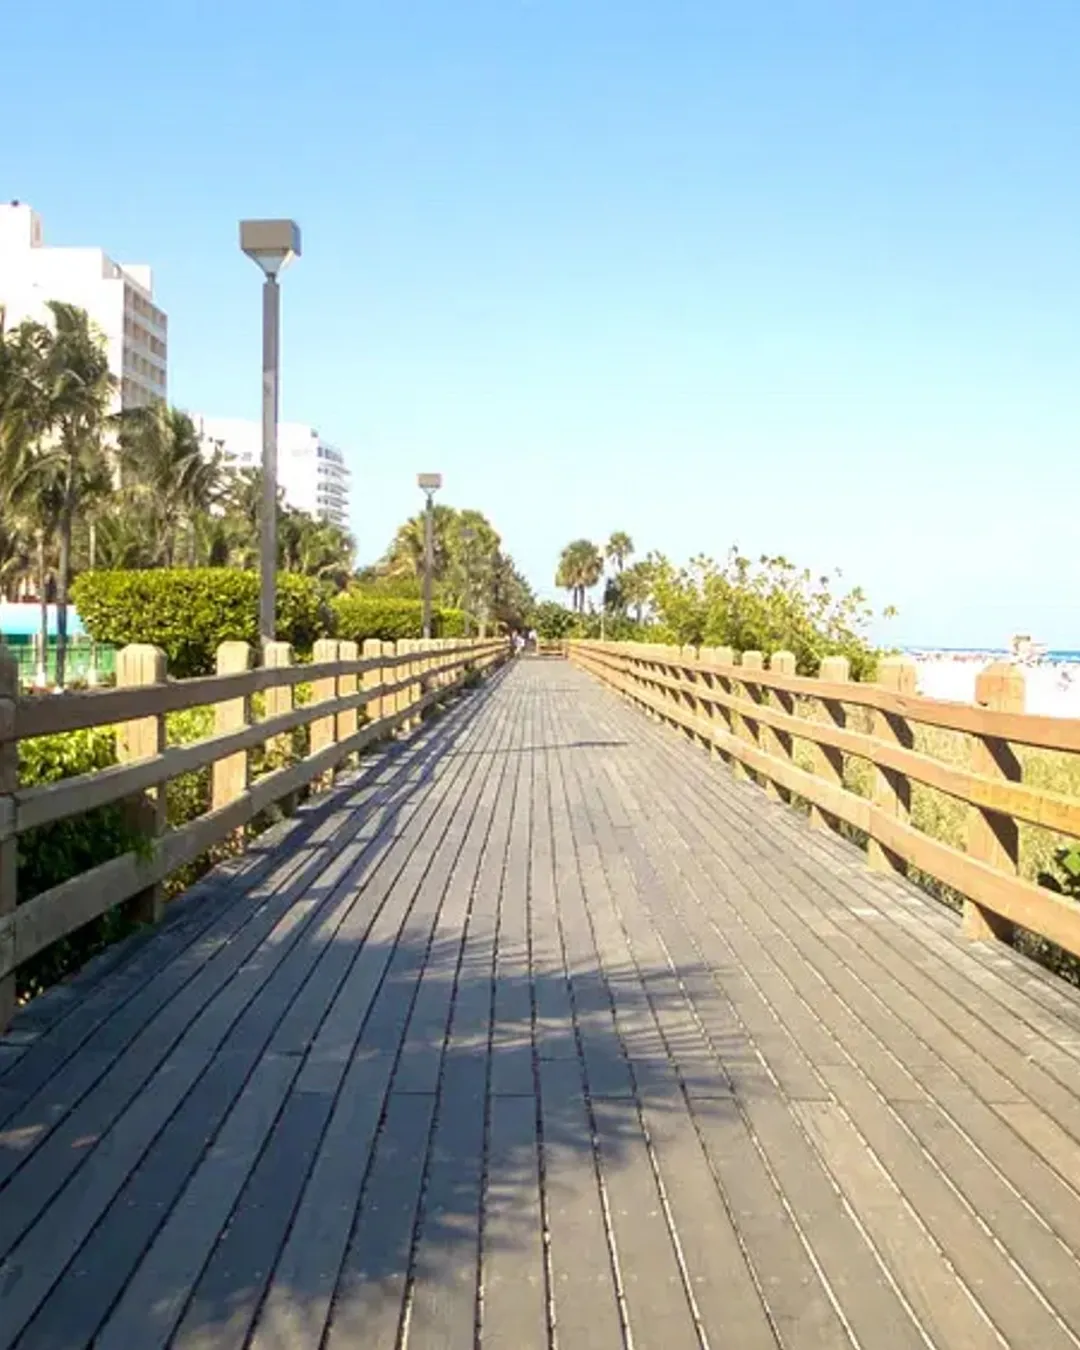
x=118 y=297
x=311 y=473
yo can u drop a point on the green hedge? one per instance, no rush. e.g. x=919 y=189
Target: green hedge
x=390 y=618
x=188 y=612
x=50 y=854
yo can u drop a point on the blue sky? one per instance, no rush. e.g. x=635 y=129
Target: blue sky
x=802 y=276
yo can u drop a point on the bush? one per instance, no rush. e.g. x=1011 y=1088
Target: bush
x=187 y=612
x=450 y=623
x=52 y=853
x=358 y=617
x=766 y=606
x=553 y=621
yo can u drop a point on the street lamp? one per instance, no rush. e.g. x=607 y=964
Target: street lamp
x=272 y=244
x=429 y=484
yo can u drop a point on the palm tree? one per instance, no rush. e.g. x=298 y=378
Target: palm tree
x=77 y=389
x=620 y=548
x=164 y=469
x=581 y=566
x=315 y=548
x=635 y=588
x=29 y=462
x=405 y=556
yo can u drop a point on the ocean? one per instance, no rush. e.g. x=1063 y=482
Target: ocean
x=1059 y=657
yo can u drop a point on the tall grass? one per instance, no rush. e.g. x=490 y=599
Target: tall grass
x=946 y=818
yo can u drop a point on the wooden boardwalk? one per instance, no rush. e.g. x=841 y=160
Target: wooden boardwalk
x=541 y=1032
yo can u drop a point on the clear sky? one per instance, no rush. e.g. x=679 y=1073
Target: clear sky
x=801 y=275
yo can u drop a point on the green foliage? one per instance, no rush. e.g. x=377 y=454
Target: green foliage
x=358 y=616
x=1067 y=879
x=765 y=606
x=581 y=565
x=188 y=612
x=52 y=853
x=553 y=621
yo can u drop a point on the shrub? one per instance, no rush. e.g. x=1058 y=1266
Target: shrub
x=450 y=623
x=52 y=853
x=187 y=612
x=358 y=617
x=765 y=606
x=553 y=621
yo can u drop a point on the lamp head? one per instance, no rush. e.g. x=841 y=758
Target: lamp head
x=271 y=243
x=429 y=482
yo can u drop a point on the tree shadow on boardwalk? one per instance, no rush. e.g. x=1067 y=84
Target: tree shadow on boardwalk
x=269 y=1125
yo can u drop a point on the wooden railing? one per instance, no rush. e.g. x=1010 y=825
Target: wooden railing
x=758 y=719
x=392 y=684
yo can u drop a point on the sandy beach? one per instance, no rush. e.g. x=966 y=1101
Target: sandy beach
x=1053 y=688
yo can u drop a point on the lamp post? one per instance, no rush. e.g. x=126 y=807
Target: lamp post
x=272 y=244
x=429 y=484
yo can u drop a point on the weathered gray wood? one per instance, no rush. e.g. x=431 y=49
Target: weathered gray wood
x=544 y=1019
x=354 y=1057
x=157 y=1103
x=369 y=1299
x=803 y=928
x=443 y=1297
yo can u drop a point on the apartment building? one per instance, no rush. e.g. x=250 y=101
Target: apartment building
x=312 y=473
x=119 y=298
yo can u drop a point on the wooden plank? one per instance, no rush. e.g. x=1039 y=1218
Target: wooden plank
x=953 y=1172
x=202 y=918
x=584 y=1299
x=368 y=1301
x=1006 y=1297
x=127 y=1155
x=944 y=1306
x=657 y=1308
x=653 y=778
x=729 y=1304
x=513 y=1304
x=318 y=1239
x=651 y=1278
x=357 y=992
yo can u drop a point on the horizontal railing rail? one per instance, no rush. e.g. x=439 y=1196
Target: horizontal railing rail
x=391 y=684
x=748 y=713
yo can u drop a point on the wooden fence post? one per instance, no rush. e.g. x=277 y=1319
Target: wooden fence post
x=280 y=699
x=348 y=722
x=992 y=837
x=373 y=678
x=828 y=761
x=724 y=656
x=324 y=690
x=747 y=728
x=892 y=790
x=706 y=709
x=9 y=845
x=231 y=776
x=394 y=703
x=417 y=666
x=779 y=744
x=672 y=655
x=689 y=675
x=141 y=664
